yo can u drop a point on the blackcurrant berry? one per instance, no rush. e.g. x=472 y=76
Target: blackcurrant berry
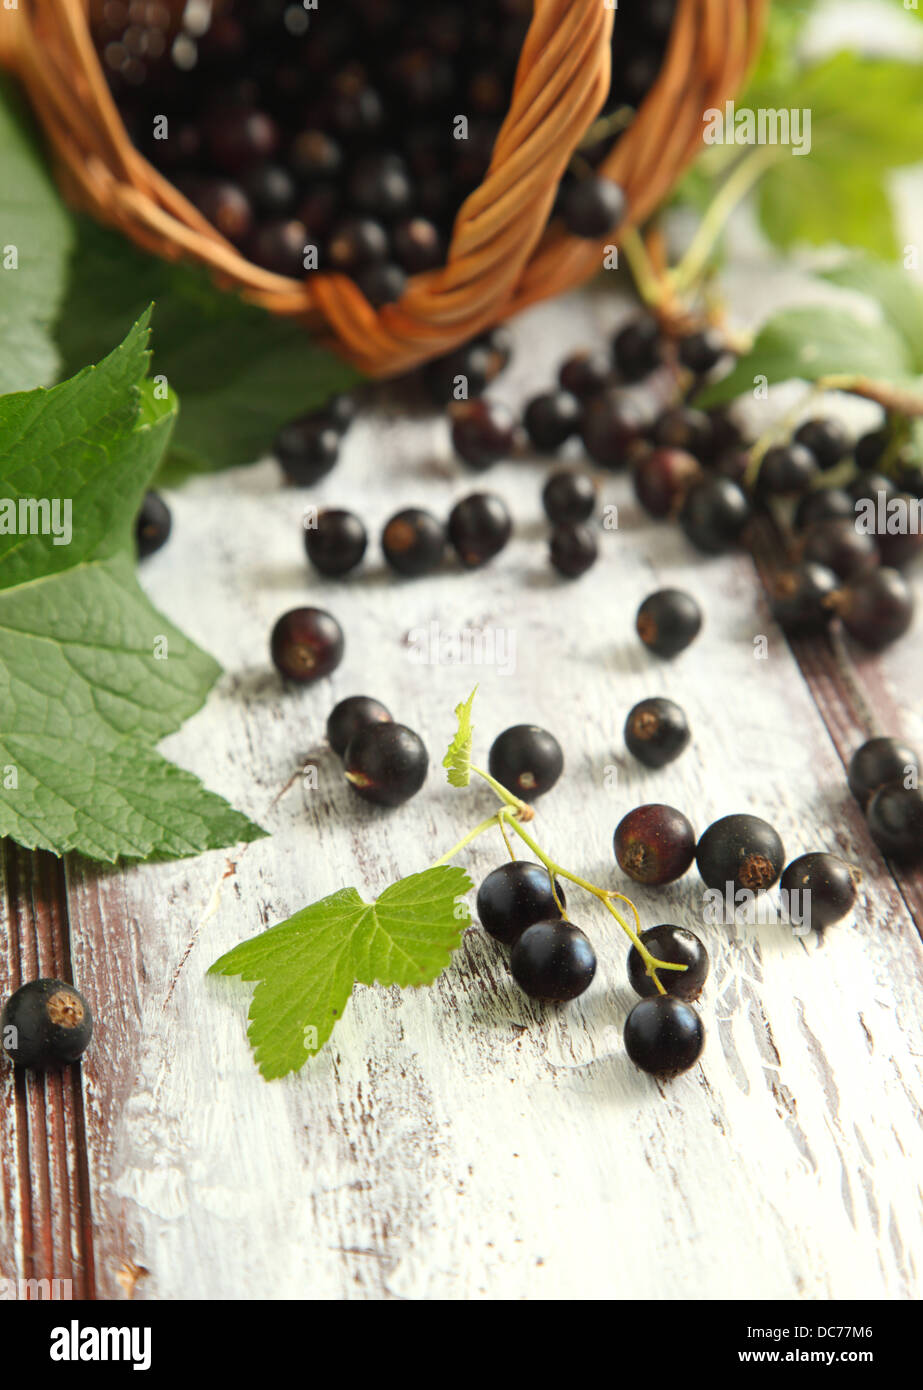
x=637 y=349
x=349 y=716
x=681 y=427
x=786 y=470
x=838 y=546
x=314 y=155
x=656 y=732
x=899 y=549
x=819 y=888
x=569 y=494
x=878 y=762
x=306 y=643
x=733 y=464
x=742 y=850
x=876 y=607
x=479 y=527
x=654 y=844
x=239 y=136
x=798 y=598
x=418 y=245
x=514 y=897
x=381 y=283
x=336 y=543
x=702 y=351
x=725 y=434
x=870 y=449
x=824 y=504
x=551 y=419
x=826 y=439
x=664 y=1036
x=553 y=960
x=613 y=427
x=572 y=548
x=45 y=1023
x=379 y=186
x=152 y=525
x=460 y=374
x=414 y=542
x=593 y=207
x=895 y=820
x=279 y=246
x=526 y=760
x=483 y=432
x=340 y=411
x=307 y=448
x=678 y=946
x=585 y=374
x=225 y=205
x=662 y=478
x=668 y=621
x=874 y=488
x=270 y=189
x=714 y=513
x=356 y=242
x=386 y=763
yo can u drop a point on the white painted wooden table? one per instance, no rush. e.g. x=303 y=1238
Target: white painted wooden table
x=462 y=1141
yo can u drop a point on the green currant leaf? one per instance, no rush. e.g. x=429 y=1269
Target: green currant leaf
x=458 y=757
x=811 y=343
x=898 y=293
x=35 y=241
x=306 y=966
x=239 y=371
x=866 y=119
x=91 y=675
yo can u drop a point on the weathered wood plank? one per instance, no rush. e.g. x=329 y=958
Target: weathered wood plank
x=461 y=1141
x=47 y=1230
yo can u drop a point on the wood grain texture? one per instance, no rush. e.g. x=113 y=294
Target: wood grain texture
x=462 y=1141
x=46 y=1231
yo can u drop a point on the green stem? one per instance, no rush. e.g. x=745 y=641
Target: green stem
x=778 y=431
x=472 y=835
x=505 y=796
x=639 y=263
x=736 y=187
x=651 y=963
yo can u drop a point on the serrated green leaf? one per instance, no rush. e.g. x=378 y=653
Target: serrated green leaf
x=306 y=966
x=458 y=757
x=866 y=119
x=240 y=372
x=91 y=675
x=810 y=343
x=897 y=292
x=37 y=233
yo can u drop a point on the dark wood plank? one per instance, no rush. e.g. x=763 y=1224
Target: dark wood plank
x=48 y=1216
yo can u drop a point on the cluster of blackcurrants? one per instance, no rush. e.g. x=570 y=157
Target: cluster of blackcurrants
x=357 y=129
x=414 y=542
x=552 y=959
x=45 y=1024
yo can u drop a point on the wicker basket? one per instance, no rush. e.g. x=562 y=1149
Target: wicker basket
x=502 y=255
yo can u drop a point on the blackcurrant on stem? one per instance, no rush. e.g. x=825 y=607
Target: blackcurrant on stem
x=603 y=894
x=511 y=814
x=779 y=431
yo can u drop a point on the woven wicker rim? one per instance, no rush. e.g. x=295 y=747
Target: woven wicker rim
x=502 y=255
